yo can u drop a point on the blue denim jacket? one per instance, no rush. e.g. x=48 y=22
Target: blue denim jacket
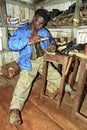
x=19 y=42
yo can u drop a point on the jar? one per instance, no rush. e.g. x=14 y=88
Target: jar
x=85 y=49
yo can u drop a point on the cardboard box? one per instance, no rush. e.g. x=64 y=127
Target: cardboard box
x=10 y=70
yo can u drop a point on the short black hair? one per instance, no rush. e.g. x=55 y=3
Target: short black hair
x=43 y=13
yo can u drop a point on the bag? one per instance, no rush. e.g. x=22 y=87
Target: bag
x=10 y=70
x=83 y=1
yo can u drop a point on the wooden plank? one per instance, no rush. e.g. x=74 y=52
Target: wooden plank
x=33 y=118
x=37 y=119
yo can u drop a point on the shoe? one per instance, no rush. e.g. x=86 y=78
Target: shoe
x=72 y=94
x=14 y=117
x=51 y=91
x=52 y=95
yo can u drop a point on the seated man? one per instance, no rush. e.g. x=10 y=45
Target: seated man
x=31 y=60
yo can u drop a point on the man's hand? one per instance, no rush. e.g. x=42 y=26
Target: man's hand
x=52 y=45
x=34 y=39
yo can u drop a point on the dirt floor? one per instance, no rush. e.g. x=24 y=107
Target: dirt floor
x=39 y=114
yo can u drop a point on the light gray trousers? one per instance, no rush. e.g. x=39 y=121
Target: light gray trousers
x=26 y=78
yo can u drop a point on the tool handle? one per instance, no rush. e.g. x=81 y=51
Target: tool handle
x=42 y=39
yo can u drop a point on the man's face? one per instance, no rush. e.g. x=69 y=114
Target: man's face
x=38 y=22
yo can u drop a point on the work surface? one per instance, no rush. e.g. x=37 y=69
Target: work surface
x=39 y=114
x=79 y=54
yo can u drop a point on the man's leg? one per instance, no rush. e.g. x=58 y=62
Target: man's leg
x=21 y=93
x=21 y=90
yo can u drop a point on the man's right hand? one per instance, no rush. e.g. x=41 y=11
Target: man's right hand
x=34 y=39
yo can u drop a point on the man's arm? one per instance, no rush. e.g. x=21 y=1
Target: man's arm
x=18 y=40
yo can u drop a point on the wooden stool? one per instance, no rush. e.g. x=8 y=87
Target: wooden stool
x=65 y=61
x=80 y=87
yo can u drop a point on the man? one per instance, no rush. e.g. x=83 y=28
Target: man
x=21 y=41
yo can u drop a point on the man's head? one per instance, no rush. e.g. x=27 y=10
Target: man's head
x=40 y=19
x=44 y=14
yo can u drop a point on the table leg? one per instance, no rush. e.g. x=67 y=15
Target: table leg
x=44 y=75
x=79 y=92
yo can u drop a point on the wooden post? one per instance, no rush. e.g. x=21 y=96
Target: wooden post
x=77 y=11
x=3 y=25
x=3 y=12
